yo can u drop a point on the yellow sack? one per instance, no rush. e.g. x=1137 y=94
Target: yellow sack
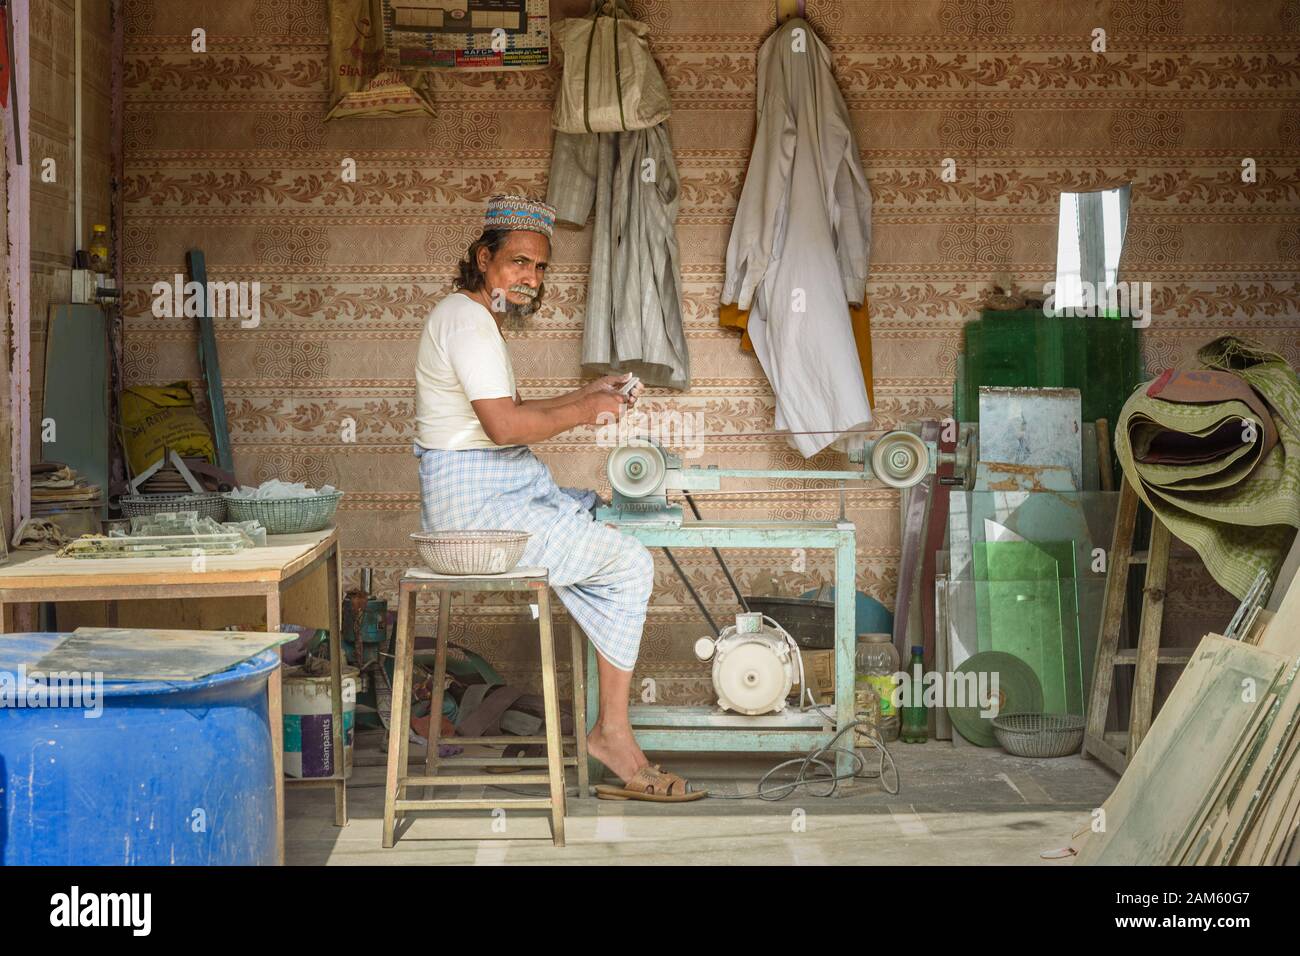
x=361 y=84
x=158 y=417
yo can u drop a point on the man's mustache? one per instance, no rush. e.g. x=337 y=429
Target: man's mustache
x=524 y=290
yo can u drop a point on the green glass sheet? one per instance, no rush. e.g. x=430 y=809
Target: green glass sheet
x=1027 y=606
x=1100 y=357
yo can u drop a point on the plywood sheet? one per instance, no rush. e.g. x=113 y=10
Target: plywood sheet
x=1196 y=733
x=283 y=556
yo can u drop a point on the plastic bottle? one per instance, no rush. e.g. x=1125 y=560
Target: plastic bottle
x=915 y=720
x=877 y=663
x=98 y=249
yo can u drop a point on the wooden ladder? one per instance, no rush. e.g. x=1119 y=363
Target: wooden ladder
x=1116 y=749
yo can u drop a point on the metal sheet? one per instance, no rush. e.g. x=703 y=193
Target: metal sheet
x=76 y=398
x=1032 y=426
x=120 y=653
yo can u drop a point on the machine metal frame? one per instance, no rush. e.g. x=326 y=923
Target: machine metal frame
x=704 y=729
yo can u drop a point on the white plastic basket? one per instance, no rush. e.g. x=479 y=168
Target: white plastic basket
x=471 y=552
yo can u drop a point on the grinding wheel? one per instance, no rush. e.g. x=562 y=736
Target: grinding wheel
x=1019 y=691
x=637 y=469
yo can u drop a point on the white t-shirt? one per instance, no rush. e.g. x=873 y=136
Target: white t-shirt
x=462 y=358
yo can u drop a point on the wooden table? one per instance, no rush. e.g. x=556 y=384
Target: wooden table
x=39 y=576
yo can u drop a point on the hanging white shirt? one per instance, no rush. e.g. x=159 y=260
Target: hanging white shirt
x=800 y=242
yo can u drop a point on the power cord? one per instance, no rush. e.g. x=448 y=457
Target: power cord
x=827 y=775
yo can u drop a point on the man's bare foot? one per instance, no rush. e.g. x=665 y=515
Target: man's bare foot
x=617 y=750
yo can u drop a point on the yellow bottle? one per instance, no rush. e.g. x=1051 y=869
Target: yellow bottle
x=98 y=249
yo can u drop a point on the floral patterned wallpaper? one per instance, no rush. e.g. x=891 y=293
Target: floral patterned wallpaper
x=226 y=151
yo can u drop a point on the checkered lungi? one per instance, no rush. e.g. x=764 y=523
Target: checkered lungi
x=603 y=577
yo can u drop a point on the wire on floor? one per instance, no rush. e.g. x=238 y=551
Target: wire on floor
x=814 y=770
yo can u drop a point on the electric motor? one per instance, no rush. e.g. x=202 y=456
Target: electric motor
x=753 y=670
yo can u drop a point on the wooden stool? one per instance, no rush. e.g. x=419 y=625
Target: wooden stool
x=395 y=801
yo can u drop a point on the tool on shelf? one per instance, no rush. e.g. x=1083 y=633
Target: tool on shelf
x=365 y=622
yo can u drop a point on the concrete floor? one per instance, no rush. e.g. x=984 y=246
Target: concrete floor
x=957 y=805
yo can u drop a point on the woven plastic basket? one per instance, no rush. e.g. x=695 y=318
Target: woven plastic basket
x=471 y=552
x=286 y=515
x=1039 y=735
x=209 y=505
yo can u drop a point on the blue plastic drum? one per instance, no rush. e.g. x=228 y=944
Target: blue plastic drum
x=168 y=772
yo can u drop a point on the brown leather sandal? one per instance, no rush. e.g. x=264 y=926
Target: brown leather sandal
x=652 y=783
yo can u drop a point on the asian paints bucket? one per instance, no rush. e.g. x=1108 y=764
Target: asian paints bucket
x=309 y=721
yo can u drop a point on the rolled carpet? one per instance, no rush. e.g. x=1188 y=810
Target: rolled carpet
x=1214 y=451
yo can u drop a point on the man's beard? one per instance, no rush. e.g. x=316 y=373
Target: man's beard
x=517 y=314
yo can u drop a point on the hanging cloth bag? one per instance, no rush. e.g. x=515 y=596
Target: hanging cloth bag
x=611 y=83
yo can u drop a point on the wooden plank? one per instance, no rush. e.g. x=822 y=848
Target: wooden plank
x=334 y=605
x=1283 y=634
x=519 y=803
x=1153 y=614
x=577 y=642
x=275 y=717
x=443 y=637
x=399 y=725
x=1105 y=469
x=1258 y=629
x=1201 y=843
x=493 y=760
x=1196 y=734
x=19 y=262
x=1103 y=677
x=786 y=9
x=1164 y=655
x=1109 y=754
x=210 y=364
x=551 y=706
x=731 y=740
x=278 y=561
x=117 y=228
x=936 y=527
x=1269 y=759
x=1286 y=578
x=1258 y=840
x=475 y=780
